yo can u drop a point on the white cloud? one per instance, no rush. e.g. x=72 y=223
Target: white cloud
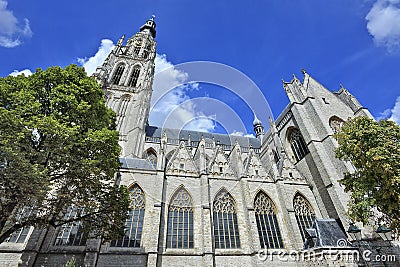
x=396 y=111
x=10 y=29
x=171 y=105
x=238 y=133
x=26 y=72
x=170 y=100
x=90 y=64
x=384 y=24
x=391 y=113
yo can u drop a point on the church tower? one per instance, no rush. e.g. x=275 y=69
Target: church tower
x=126 y=77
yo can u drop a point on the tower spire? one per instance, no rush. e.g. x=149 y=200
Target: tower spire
x=258 y=128
x=149 y=26
x=126 y=77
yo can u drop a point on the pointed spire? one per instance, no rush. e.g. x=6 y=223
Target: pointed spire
x=258 y=128
x=121 y=40
x=271 y=121
x=149 y=26
x=256 y=121
x=272 y=125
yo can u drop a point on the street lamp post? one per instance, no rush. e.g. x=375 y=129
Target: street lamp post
x=384 y=232
x=354 y=232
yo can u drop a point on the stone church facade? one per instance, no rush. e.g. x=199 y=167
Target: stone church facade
x=204 y=199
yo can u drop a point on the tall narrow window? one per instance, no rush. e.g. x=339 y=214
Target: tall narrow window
x=71 y=234
x=298 y=144
x=121 y=110
x=152 y=158
x=134 y=222
x=118 y=74
x=226 y=232
x=305 y=215
x=138 y=46
x=180 y=221
x=136 y=50
x=267 y=223
x=20 y=235
x=134 y=77
x=147 y=51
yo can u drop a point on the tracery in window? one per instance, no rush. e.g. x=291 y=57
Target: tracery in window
x=226 y=232
x=134 y=222
x=134 y=77
x=180 y=221
x=152 y=158
x=298 y=144
x=267 y=223
x=305 y=215
x=335 y=123
x=118 y=74
x=71 y=234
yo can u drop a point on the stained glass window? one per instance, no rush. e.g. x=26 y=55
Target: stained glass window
x=298 y=144
x=305 y=215
x=180 y=221
x=118 y=74
x=152 y=158
x=226 y=232
x=71 y=234
x=20 y=235
x=134 y=77
x=134 y=222
x=267 y=223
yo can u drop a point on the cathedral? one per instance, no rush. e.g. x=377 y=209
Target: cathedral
x=207 y=199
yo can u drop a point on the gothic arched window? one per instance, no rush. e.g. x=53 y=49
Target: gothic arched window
x=180 y=221
x=305 y=215
x=335 y=123
x=152 y=158
x=138 y=46
x=267 y=223
x=147 y=51
x=118 y=74
x=298 y=144
x=71 y=234
x=134 y=77
x=134 y=222
x=226 y=232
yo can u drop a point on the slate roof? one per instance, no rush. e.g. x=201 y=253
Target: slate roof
x=328 y=233
x=136 y=163
x=223 y=139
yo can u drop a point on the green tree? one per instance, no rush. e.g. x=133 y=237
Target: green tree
x=58 y=149
x=374 y=150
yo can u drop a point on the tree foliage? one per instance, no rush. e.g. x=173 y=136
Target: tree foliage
x=374 y=150
x=58 y=149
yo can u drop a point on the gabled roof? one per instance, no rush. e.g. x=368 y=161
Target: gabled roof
x=222 y=139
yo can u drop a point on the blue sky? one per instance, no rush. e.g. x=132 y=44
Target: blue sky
x=354 y=43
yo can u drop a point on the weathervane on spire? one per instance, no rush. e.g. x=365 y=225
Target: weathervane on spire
x=153 y=17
